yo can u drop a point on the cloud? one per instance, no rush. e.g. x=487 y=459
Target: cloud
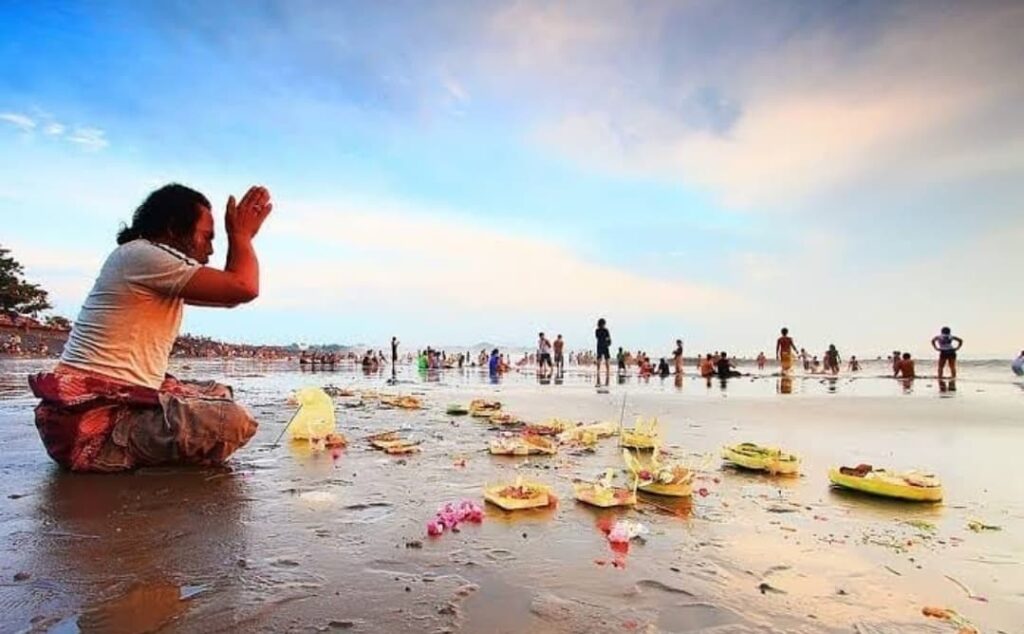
x=784 y=109
x=379 y=251
x=89 y=138
x=20 y=121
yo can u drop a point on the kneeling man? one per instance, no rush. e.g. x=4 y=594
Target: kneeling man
x=109 y=404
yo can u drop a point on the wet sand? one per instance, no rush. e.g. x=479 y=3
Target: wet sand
x=247 y=547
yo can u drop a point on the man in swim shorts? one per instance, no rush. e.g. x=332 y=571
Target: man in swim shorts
x=109 y=404
x=947 y=345
x=784 y=349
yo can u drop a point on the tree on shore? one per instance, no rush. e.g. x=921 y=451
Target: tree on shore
x=16 y=294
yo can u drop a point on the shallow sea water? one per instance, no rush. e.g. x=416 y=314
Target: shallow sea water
x=290 y=539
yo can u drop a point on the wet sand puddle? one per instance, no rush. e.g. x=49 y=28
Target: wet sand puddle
x=290 y=538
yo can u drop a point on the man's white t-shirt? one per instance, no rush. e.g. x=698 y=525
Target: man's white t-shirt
x=130 y=320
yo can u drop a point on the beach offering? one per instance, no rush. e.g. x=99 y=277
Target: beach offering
x=588 y=435
x=403 y=402
x=391 y=442
x=552 y=427
x=625 y=531
x=483 y=409
x=454 y=409
x=948 y=614
x=769 y=459
x=450 y=515
x=335 y=441
x=521 y=445
x=907 y=485
x=657 y=478
x=505 y=419
x=518 y=495
x=315 y=418
x=644 y=435
x=602 y=493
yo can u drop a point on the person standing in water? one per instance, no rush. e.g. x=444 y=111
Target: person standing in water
x=543 y=354
x=784 y=350
x=947 y=345
x=559 y=350
x=394 y=355
x=832 y=359
x=677 y=356
x=604 y=349
x=761 y=360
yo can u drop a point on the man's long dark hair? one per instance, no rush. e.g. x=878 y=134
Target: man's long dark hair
x=172 y=210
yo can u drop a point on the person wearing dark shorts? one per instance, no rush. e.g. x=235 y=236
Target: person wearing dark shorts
x=947 y=345
x=543 y=354
x=604 y=349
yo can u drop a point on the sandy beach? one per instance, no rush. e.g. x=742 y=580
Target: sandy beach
x=290 y=539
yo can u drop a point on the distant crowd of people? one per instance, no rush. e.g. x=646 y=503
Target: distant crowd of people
x=191 y=346
x=13 y=344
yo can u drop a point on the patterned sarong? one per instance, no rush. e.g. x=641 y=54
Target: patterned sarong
x=89 y=422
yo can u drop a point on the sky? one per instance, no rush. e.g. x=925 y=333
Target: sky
x=480 y=171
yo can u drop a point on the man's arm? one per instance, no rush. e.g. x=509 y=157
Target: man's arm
x=935 y=343
x=959 y=342
x=239 y=282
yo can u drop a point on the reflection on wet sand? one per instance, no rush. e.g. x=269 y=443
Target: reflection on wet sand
x=145 y=607
x=136 y=548
x=785 y=385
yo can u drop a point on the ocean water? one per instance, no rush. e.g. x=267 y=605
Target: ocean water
x=290 y=538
